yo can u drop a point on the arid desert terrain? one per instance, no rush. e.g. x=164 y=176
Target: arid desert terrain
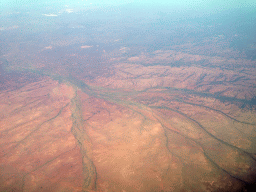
x=84 y=109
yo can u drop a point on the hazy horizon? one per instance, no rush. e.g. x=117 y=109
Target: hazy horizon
x=127 y=96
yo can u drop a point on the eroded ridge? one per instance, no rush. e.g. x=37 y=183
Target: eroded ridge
x=98 y=97
x=38 y=150
x=138 y=135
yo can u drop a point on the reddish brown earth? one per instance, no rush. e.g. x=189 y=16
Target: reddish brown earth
x=88 y=118
x=144 y=132
x=38 y=150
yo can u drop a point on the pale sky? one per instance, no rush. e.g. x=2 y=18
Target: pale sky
x=182 y=3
